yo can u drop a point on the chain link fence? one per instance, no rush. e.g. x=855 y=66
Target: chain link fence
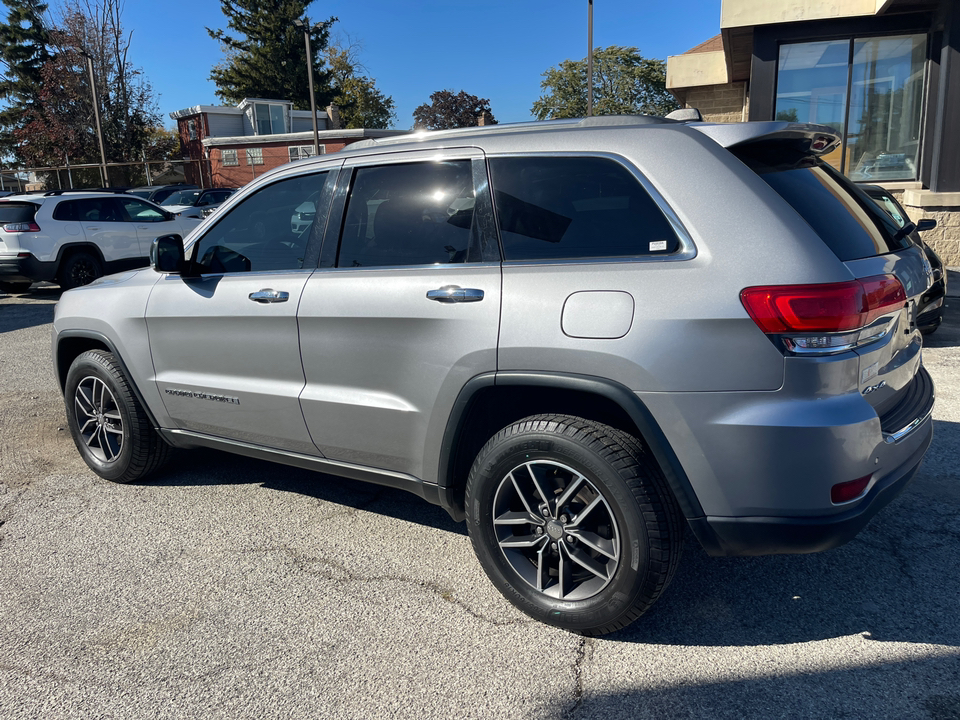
x=90 y=175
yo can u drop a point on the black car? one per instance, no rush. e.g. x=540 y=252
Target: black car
x=159 y=193
x=930 y=312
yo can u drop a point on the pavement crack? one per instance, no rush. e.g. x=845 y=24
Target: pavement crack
x=583 y=653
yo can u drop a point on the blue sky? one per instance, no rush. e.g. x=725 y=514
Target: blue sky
x=496 y=49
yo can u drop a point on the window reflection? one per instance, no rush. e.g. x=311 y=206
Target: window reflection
x=874 y=101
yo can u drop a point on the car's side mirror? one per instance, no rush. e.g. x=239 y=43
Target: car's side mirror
x=166 y=254
x=924 y=225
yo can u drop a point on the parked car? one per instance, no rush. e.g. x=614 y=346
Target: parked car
x=930 y=311
x=159 y=193
x=193 y=203
x=580 y=336
x=75 y=237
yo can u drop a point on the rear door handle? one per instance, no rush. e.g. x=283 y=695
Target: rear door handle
x=455 y=294
x=269 y=295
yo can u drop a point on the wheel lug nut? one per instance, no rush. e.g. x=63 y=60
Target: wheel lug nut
x=545 y=511
x=553 y=545
x=571 y=539
x=563 y=519
x=539 y=530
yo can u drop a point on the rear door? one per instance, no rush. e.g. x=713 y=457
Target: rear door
x=404 y=310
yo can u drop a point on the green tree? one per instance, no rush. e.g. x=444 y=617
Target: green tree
x=23 y=53
x=361 y=103
x=266 y=57
x=624 y=83
x=446 y=110
x=64 y=128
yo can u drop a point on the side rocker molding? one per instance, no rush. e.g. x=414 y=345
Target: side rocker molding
x=620 y=394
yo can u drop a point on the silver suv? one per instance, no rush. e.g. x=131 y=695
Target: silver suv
x=580 y=336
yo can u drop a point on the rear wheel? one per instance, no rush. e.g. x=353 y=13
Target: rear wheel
x=573 y=522
x=81 y=268
x=14 y=287
x=109 y=426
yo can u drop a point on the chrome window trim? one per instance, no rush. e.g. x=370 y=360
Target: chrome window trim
x=687 y=251
x=435 y=266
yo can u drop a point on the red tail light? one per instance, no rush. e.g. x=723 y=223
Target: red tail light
x=21 y=227
x=827 y=308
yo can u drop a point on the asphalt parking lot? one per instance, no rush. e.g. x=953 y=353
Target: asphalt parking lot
x=231 y=588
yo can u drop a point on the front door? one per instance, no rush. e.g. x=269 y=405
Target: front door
x=225 y=341
x=403 y=311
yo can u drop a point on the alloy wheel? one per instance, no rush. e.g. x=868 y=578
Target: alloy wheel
x=98 y=416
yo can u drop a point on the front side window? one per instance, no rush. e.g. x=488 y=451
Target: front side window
x=411 y=214
x=229 y=158
x=870 y=90
x=576 y=207
x=259 y=234
x=141 y=212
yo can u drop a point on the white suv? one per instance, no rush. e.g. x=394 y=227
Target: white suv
x=73 y=238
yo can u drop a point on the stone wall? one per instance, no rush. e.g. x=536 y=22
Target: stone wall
x=945 y=237
x=718 y=103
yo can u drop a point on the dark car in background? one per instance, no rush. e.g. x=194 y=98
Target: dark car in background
x=159 y=193
x=194 y=203
x=930 y=312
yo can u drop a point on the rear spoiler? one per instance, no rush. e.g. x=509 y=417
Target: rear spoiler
x=805 y=137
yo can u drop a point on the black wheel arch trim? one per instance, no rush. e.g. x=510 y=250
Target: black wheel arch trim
x=111 y=346
x=625 y=398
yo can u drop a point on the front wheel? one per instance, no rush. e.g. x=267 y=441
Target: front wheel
x=573 y=521
x=109 y=426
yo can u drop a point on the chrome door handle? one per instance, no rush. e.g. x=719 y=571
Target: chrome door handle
x=269 y=295
x=455 y=294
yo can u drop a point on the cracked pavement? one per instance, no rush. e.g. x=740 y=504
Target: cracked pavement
x=233 y=588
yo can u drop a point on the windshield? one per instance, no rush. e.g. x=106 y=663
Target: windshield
x=139 y=193
x=182 y=197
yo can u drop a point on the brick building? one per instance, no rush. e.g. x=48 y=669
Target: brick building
x=237 y=144
x=884 y=73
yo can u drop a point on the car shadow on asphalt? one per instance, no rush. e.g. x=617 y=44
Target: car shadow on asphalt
x=212 y=467
x=19 y=317
x=897 y=581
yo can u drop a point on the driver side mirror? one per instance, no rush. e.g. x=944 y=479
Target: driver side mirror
x=166 y=254
x=926 y=224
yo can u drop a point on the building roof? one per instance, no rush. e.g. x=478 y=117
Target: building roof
x=712 y=45
x=305 y=138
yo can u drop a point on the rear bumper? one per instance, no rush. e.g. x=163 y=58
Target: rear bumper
x=25 y=269
x=738 y=536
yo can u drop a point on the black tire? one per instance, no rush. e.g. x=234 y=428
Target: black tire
x=81 y=268
x=608 y=507
x=107 y=422
x=14 y=287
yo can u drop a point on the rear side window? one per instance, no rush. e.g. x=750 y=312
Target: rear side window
x=842 y=214
x=11 y=212
x=67 y=211
x=576 y=207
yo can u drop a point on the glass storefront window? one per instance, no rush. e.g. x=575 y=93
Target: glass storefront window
x=870 y=90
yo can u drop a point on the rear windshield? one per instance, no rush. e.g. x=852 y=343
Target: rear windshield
x=842 y=214
x=14 y=212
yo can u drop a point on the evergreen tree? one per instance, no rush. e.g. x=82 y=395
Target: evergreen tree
x=267 y=58
x=23 y=52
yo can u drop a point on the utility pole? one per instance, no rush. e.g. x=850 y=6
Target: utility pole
x=304 y=25
x=589 y=58
x=96 y=116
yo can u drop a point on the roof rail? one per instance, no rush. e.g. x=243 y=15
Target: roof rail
x=112 y=191
x=594 y=121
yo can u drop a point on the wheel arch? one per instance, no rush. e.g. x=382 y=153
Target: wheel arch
x=68 y=249
x=71 y=344
x=490 y=402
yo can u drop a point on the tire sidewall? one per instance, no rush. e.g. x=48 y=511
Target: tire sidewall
x=83 y=367
x=620 y=594
x=70 y=269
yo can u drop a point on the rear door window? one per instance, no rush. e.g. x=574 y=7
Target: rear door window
x=843 y=215
x=576 y=207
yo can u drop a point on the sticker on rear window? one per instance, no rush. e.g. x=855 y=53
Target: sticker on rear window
x=658 y=245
